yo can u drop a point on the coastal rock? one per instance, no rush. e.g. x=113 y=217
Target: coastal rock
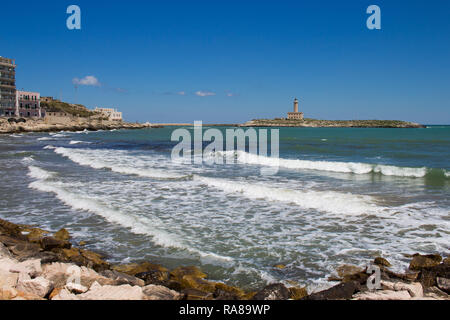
x=226 y=292
x=38 y=286
x=49 y=243
x=135 y=268
x=180 y=272
x=275 y=291
x=31 y=267
x=62 y=273
x=194 y=294
x=156 y=277
x=347 y=270
x=76 y=288
x=424 y=261
x=383 y=295
x=122 y=278
x=427 y=276
x=436 y=293
x=63 y=294
x=297 y=293
x=107 y=292
x=342 y=291
x=443 y=284
x=4 y=252
x=62 y=235
x=8 y=279
x=382 y=262
x=152 y=292
x=35 y=234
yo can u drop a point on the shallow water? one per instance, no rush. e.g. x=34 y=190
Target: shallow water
x=340 y=196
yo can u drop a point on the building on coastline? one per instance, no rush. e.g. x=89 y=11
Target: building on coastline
x=47 y=99
x=28 y=104
x=7 y=87
x=295 y=115
x=111 y=114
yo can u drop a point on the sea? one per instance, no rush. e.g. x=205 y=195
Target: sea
x=340 y=196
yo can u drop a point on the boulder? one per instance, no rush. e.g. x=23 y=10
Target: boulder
x=342 y=291
x=38 y=286
x=194 y=294
x=415 y=290
x=135 y=268
x=276 y=291
x=348 y=270
x=107 y=292
x=382 y=262
x=8 y=279
x=226 y=292
x=60 y=273
x=62 y=235
x=152 y=292
x=63 y=294
x=156 y=277
x=49 y=243
x=4 y=252
x=427 y=276
x=443 y=284
x=187 y=271
x=122 y=278
x=76 y=288
x=382 y=295
x=31 y=267
x=424 y=261
x=296 y=293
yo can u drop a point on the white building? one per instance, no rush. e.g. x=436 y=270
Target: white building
x=111 y=114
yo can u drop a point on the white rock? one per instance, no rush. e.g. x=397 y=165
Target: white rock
x=7 y=263
x=8 y=279
x=4 y=252
x=123 y=292
x=76 y=288
x=62 y=273
x=153 y=292
x=383 y=295
x=65 y=294
x=39 y=286
x=415 y=289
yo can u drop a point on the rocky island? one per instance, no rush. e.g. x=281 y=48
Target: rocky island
x=314 y=123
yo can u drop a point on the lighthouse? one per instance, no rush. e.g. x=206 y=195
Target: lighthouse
x=295 y=115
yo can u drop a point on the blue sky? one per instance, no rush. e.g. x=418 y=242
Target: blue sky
x=237 y=60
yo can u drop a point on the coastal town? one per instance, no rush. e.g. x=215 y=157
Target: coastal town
x=28 y=111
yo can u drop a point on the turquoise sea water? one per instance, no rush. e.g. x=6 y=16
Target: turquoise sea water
x=340 y=196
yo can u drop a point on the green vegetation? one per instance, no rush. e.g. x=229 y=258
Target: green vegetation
x=72 y=109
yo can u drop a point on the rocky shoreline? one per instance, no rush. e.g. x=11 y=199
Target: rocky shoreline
x=39 y=125
x=38 y=265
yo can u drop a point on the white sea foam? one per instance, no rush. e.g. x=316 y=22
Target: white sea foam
x=101 y=161
x=327 y=201
x=50 y=147
x=27 y=159
x=331 y=166
x=137 y=224
x=38 y=173
x=45 y=139
x=78 y=142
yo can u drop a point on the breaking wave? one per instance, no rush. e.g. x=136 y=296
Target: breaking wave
x=137 y=224
x=87 y=158
x=328 y=201
x=331 y=166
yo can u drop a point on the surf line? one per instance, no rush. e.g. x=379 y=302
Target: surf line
x=190 y=149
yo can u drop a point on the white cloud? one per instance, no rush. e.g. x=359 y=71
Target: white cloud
x=181 y=93
x=205 y=93
x=87 y=81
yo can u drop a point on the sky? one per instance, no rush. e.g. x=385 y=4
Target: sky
x=233 y=61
